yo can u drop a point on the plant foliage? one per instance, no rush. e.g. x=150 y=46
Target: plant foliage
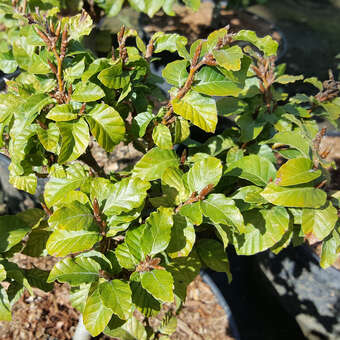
x=134 y=239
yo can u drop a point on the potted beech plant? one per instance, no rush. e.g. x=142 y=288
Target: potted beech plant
x=133 y=240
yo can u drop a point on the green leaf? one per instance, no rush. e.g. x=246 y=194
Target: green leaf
x=131 y=330
x=212 y=253
x=214 y=83
x=157 y=232
x=141 y=122
x=64 y=242
x=75 y=139
x=79 y=25
x=315 y=82
x=75 y=271
x=253 y=168
x=124 y=257
x=2 y=273
x=168 y=42
x=222 y=210
x=12 y=230
x=184 y=270
x=38 y=278
x=319 y=222
x=7 y=62
x=161 y=135
x=294 y=139
x=75 y=71
x=87 y=92
x=229 y=58
x=36 y=243
x=294 y=197
x=96 y=66
x=250 y=127
x=126 y=195
x=106 y=125
x=116 y=295
x=62 y=113
x=159 y=283
x=266 y=44
x=182 y=237
x=200 y=110
x=75 y=216
x=154 y=163
x=5 y=307
x=264 y=228
x=173 y=178
x=57 y=188
x=286 y=79
x=25 y=183
x=330 y=249
x=205 y=172
x=296 y=171
x=176 y=73
x=114 y=77
x=78 y=296
x=133 y=240
x=193 y=212
x=142 y=299
x=49 y=138
x=96 y=316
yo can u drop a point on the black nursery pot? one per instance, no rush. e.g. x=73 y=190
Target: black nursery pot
x=306 y=291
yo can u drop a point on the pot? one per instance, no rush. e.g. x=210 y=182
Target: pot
x=308 y=293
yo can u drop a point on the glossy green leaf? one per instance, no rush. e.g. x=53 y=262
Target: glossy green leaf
x=96 y=316
x=182 y=237
x=114 y=77
x=124 y=257
x=79 y=25
x=130 y=330
x=286 y=79
x=157 y=232
x=49 y=137
x=75 y=271
x=62 y=113
x=199 y=109
x=5 y=307
x=294 y=197
x=142 y=299
x=229 y=58
x=25 y=183
x=133 y=240
x=141 y=122
x=126 y=195
x=253 y=168
x=263 y=229
x=106 y=125
x=294 y=139
x=75 y=216
x=64 y=242
x=266 y=44
x=87 y=92
x=75 y=139
x=159 y=283
x=173 y=178
x=57 y=188
x=193 y=212
x=168 y=42
x=250 y=127
x=154 y=163
x=214 y=83
x=176 y=73
x=222 y=210
x=296 y=171
x=36 y=243
x=116 y=295
x=319 y=222
x=161 y=135
x=205 y=172
x=330 y=249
